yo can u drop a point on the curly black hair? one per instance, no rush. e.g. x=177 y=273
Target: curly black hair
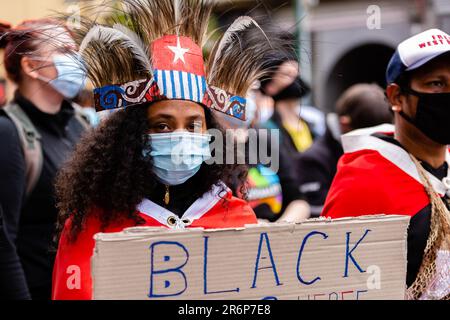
x=108 y=171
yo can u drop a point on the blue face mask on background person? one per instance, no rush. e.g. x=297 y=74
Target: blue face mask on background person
x=92 y=116
x=177 y=156
x=250 y=114
x=71 y=76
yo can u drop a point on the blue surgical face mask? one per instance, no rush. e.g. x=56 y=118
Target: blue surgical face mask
x=177 y=156
x=71 y=77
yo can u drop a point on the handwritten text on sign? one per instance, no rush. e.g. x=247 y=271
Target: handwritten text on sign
x=344 y=259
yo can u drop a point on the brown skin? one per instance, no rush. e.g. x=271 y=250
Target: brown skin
x=176 y=115
x=434 y=77
x=285 y=75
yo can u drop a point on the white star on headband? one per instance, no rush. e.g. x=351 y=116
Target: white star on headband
x=179 y=52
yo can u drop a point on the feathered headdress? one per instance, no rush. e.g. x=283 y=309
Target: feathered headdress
x=154 y=52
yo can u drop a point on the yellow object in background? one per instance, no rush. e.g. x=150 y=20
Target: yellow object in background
x=301 y=135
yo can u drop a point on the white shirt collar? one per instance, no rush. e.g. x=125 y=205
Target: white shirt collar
x=363 y=139
x=198 y=209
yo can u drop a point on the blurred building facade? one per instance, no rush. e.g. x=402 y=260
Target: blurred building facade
x=349 y=47
x=343 y=42
x=18 y=10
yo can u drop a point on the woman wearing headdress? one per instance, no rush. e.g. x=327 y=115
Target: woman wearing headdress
x=126 y=172
x=39 y=128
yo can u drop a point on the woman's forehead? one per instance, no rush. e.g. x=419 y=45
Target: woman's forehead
x=176 y=108
x=56 y=37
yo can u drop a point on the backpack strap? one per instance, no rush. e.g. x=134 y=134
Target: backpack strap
x=31 y=144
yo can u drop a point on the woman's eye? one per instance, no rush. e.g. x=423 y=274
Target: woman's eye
x=161 y=127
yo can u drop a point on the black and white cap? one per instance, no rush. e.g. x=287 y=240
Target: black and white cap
x=416 y=51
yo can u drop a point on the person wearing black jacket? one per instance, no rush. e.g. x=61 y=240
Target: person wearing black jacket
x=265 y=189
x=36 y=61
x=286 y=88
x=360 y=106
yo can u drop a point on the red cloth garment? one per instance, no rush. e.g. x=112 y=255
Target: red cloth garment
x=376 y=177
x=366 y=184
x=74 y=259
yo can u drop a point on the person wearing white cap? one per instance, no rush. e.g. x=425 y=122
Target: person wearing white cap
x=405 y=169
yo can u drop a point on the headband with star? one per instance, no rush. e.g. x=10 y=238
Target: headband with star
x=143 y=62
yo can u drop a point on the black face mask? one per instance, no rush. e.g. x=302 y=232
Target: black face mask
x=432 y=115
x=295 y=90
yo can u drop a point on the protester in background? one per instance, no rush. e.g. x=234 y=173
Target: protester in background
x=38 y=130
x=264 y=191
x=405 y=170
x=145 y=164
x=286 y=88
x=360 y=106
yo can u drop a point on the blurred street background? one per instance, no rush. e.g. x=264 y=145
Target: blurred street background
x=340 y=42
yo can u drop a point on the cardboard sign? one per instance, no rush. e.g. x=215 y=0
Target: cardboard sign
x=343 y=259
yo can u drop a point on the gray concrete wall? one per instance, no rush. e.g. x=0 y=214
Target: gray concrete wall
x=339 y=28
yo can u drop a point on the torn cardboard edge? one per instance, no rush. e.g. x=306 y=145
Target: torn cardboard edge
x=317 y=259
x=138 y=232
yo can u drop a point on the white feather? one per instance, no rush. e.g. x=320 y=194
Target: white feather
x=140 y=50
x=176 y=9
x=127 y=39
x=238 y=25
